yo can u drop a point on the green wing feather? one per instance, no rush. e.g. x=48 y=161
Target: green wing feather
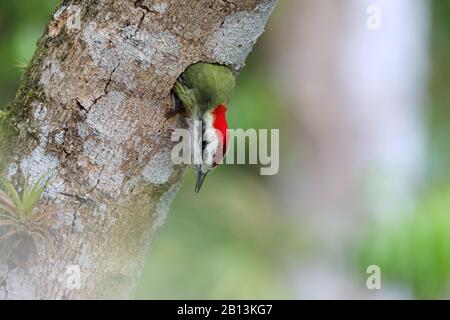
x=186 y=95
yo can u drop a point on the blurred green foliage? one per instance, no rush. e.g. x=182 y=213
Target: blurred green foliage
x=223 y=243
x=439 y=110
x=414 y=250
x=21 y=25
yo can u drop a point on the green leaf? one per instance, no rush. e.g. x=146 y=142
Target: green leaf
x=31 y=196
x=11 y=191
x=8 y=234
x=4 y=223
x=6 y=204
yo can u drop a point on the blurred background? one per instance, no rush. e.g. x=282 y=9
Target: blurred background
x=359 y=91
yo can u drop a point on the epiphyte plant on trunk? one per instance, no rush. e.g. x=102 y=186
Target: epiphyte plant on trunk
x=205 y=90
x=22 y=225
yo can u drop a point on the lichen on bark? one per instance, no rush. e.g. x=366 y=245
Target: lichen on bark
x=92 y=110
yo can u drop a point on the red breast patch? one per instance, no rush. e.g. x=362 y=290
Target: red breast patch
x=220 y=124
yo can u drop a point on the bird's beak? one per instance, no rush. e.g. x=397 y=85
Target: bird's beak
x=200 y=179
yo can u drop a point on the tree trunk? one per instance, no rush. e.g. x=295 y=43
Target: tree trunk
x=92 y=110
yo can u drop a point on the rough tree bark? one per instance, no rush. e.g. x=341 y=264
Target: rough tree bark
x=91 y=109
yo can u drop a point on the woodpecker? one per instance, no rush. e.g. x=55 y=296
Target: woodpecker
x=205 y=90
